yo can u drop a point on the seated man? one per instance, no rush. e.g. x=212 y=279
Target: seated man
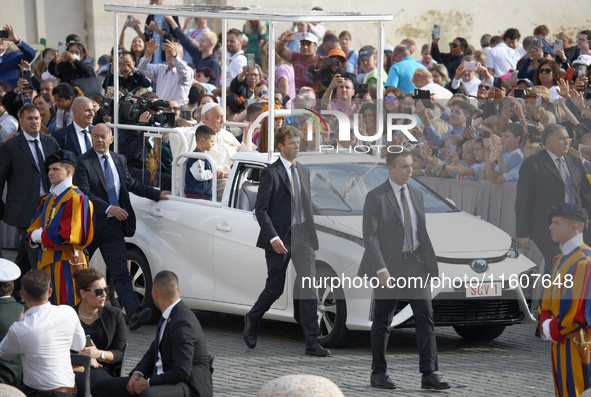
x=44 y=339
x=177 y=363
x=198 y=173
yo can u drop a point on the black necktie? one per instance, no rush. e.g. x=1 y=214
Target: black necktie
x=40 y=162
x=295 y=180
x=407 y=219
x=86 y=141
x=111 y=192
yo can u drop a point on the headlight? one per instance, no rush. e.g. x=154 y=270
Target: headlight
x=513 y=250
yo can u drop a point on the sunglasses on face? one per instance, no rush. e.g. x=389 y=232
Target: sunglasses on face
x=173 y=109
x=390 y=98
x=99 y=291
x=545 y=71
x=486 y=87
x=453 y=45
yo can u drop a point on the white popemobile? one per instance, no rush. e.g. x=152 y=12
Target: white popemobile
x=211 y=245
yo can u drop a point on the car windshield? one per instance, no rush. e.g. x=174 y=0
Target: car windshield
x=340 y=188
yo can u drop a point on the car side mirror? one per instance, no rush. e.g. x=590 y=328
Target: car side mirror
x=451 y=202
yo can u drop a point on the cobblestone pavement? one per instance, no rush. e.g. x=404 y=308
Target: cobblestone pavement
x=515 y=364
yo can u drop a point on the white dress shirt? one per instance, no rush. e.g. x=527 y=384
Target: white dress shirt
x=80 y=136
x=165 y=315
x=172 y=84
x=43 y=339
x=115 y=174
x=411 y=207
x=234 y=66
x=501 y=58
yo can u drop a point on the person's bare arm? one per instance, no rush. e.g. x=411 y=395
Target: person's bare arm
x=280 y=47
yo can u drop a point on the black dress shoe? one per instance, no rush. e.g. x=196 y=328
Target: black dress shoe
x=139 y=318
x=433 y=382
x=316 y=350
x=382 y=381
x=249 y=334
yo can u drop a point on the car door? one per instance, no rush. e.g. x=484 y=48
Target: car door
x=240 y=267
x=179 y=234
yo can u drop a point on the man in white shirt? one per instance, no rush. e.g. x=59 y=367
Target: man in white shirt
x=174 y=78
x=423 y=80
x=44 y=339
x=504 y=56
x=8 y=124
x=235 y=60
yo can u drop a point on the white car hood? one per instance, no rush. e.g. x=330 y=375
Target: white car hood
x=453 y=234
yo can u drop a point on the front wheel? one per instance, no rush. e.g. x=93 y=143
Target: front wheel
x=141 y=281
x=479 y=333
x=332 y=314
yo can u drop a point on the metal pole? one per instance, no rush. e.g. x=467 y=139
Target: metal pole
x=224 y=63
x=116 y=80
x=380 y=90
x=271 y=85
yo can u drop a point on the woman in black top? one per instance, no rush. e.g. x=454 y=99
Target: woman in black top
x=105 y=325
x=70 y=66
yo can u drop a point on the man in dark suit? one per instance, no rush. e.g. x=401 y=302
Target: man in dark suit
x=284 y=211
x=75 y=137
x=541 y=184
x=22 y=168
x=103 y=177
x=177 y=363
x=397 y=245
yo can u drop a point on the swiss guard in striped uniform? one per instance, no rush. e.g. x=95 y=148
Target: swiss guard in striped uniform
x=565 y=307
x=63 y=226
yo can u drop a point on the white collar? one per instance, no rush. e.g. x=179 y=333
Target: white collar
x=166 y=313
x=31 y=138
x=61 y=187
x=32 y=310
x=553 y=156
x=100 y=156
x=77 y=128
x=571 y=244
x=396 y=187
x=286 y=163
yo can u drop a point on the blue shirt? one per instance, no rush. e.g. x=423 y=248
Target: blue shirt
x=401 y=73
x=352 y=57
x=512 y=159
x=157 y=57
x=431 y=135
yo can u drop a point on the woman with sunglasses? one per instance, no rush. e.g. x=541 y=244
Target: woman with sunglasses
x=454 y=58
x=548 y=74
x=104 y=324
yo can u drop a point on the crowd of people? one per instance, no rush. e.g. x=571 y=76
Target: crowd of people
x=509 y=109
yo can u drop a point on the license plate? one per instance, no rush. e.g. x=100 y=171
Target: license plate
x=483 y=290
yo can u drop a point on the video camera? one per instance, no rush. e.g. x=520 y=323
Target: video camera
x=130 y=111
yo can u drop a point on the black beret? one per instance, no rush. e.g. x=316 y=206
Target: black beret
x=568 y=210
x=60 y=156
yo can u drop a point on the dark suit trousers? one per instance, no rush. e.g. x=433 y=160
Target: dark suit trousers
x=303 y=257
x=116 y=387
x=26 y=258
x=385 y=303
x=110 y=239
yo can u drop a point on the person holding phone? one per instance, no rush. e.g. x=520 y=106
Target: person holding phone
x=245 y=83
x=104 y=325
x=454 y=57
x=9 y=67
x=504 y=56
x=70 y=64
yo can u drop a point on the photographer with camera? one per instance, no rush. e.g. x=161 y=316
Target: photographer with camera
x=326 y=68
x=174 y=78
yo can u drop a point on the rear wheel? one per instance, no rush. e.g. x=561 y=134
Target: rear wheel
x=332 y=314
x=141 y=281
x=479 y=333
